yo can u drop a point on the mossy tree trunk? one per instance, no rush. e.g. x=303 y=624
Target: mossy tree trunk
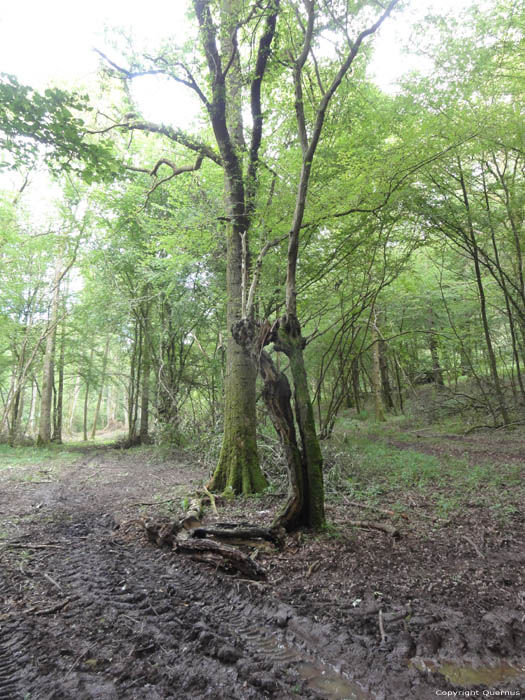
x=238 y=468
x=305 y=501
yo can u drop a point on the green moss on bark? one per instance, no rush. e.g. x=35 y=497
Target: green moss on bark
x=238 y=468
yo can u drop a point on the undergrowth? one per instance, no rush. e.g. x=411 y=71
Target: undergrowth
x=366 y=469
x=37 y=457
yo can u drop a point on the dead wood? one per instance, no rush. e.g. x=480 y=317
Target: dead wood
x=492 y=427
x=193 y=514
x=162 y=532
x=243 y=532
x=374 y=525
x=221 y=555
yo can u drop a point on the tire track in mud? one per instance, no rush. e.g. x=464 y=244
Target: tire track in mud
x=13 y=652
x=12 y=657
x=141 y=623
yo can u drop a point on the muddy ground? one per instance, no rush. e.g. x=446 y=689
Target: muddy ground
x=91 y=609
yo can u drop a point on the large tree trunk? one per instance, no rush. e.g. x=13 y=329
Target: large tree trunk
x=238 y=467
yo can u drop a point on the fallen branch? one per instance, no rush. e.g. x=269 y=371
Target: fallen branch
x=492 y=427
x=193 y=515
x=221 y=555
x=374 y=525
x=241 y=532
x=381 y=627
x=162 y=532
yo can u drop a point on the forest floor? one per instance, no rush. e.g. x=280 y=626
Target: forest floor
x=91 y=609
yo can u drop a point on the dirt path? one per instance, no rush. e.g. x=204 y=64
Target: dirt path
x=91 y=610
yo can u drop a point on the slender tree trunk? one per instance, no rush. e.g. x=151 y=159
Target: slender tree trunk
x=59 y=405
x=44 y=430
x=483 y=305
x=146 y=372
x=379 y=408
x=30 y=415
x=385 y=378
x=86 y=395
x=355 y=384
x=73 y=405
x=101 y=389
x=433 y=347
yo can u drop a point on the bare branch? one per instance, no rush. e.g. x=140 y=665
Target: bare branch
x=297 y=76
x=129 y=75
x=178 y=136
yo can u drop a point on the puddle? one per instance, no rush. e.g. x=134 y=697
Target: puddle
x=467 y=675
x=330 y=683
x=318 y=675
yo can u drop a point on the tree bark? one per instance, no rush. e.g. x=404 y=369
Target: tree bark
x=379 y=408
x=101 y=389
x=86 y=395
x=483 y=303
x=44 y=430
x=238 y=468
x=59 y=402
x=433 y=347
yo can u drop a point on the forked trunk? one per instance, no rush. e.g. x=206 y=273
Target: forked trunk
x=305 y=502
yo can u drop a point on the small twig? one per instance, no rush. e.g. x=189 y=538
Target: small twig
x=76 y=662
x=381 y=627
x=471 y=542
x=29 y=545
x=51 y=580
x=313 y=568
x=48 y=611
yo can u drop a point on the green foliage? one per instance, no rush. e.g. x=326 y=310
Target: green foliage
x=49 y=126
